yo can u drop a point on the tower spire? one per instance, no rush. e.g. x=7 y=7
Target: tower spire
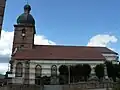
x=27 y=1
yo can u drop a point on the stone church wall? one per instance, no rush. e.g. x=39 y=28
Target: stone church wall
x=18 y=80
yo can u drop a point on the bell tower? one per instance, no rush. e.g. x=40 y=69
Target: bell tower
x=24 y=30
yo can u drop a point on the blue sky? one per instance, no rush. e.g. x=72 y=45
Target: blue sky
x=69 y=22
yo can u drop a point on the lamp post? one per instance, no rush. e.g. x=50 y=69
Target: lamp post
x=26 y=78
x=69 y=74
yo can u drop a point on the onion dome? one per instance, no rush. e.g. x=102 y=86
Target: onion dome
x=26 y=17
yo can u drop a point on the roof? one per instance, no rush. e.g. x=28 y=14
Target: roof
x=26 y=17
x=55 y=52
x=105 y=50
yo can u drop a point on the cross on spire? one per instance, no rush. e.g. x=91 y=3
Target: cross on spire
x=27 y=1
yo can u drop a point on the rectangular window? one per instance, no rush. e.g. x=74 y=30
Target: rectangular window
x=23 y=31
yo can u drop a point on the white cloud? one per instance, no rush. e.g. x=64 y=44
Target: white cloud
x=42 y=40
x=102 y=40
x=6 y=41
x=3 y=68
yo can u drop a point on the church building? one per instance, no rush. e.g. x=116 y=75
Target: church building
x=29 y=60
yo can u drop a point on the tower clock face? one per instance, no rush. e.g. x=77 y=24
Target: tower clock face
x=23 y=34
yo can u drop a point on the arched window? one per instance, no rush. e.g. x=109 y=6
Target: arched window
x=54 y=70
x=19 y=69
x=38 y=71
x=23 y=30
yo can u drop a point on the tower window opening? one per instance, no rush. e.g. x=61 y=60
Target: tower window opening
x=23 y=33
x=21 y=46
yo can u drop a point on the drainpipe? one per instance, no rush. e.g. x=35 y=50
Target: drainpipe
x=69 y=74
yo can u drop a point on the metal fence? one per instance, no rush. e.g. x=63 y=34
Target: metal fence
x=89 y=84
x=75 y=86
x=21 y=87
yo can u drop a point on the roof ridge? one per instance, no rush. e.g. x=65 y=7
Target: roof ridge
x=71 y=46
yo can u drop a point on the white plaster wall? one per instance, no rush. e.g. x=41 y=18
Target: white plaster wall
x=46 y=66
x=32 y=73
x=110 y=57
x=18 y=80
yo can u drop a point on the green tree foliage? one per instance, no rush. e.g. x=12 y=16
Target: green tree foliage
x=78 y=72
x=86 y=71
x=63 y=69
x=99 y=71
x=63 y=78
x=117 y=70
x=113 y=70
x=72 y=73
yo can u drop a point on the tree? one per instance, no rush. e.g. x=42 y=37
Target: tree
x=72 y=73
x=117 y=70
x=111 y=70
x=118 y=73
x=78 y=72
x=99 y=71
x=63 y=77
x=86 y=71
x=63 y=69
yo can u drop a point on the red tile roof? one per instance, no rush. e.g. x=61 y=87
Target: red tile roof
x=105 y=50
x=55 y=52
